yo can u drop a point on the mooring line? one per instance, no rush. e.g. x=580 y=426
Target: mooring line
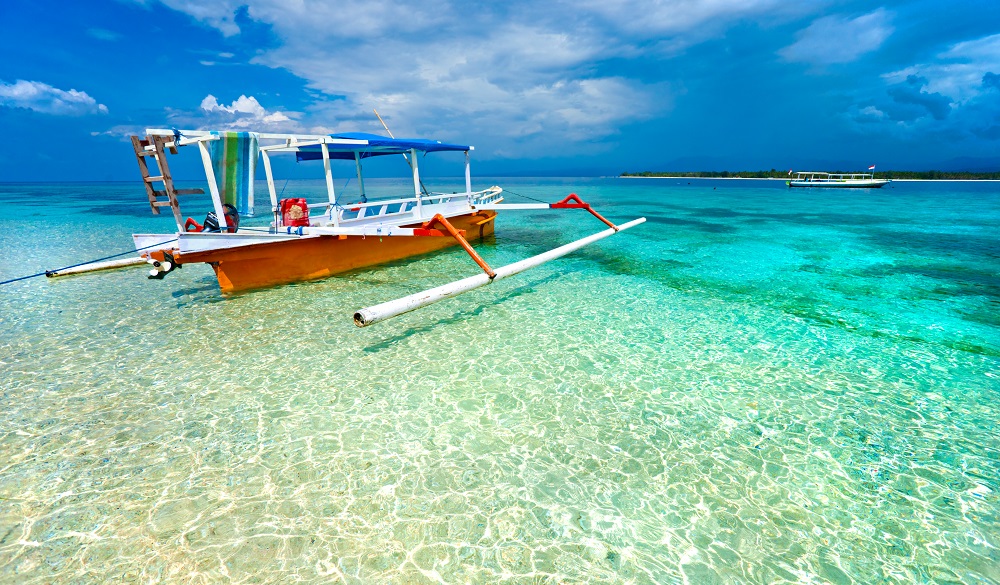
x=47 y=272
x=522 y=195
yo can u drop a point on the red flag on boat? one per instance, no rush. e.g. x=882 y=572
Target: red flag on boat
x=871 y=168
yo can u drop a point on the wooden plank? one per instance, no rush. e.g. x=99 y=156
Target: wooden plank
x=168 y=182
x=138 y=146
x=160 y=193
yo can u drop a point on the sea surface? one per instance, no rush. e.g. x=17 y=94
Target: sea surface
x=758 y=385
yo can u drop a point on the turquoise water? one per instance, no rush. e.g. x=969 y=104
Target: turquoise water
x=758 y=385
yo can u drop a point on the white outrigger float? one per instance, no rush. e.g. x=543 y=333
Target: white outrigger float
x=836 y=180
x=307 y=241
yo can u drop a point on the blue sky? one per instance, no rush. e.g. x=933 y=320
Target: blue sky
x=587 y=87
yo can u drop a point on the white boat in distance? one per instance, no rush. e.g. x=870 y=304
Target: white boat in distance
x=836 y=180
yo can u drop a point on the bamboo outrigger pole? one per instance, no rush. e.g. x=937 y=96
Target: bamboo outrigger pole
x=381 y=312
x=95 y=266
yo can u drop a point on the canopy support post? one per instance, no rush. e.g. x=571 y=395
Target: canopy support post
x=361 y=179
x=213 y=186
x=270 y=179
x=416 y=181
x=468 y=177
x=331 y=194
x=270 y=185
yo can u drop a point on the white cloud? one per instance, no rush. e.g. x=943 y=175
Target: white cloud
x=839 y=39
x=522 y=74
x=244 y=111
x=682 y=17
x=42 y=97
x=218 y=14
x=873 y=112
x=952 y=96
x=103 y=34
x=121 y=131
x=957 y=72
x=454 y=76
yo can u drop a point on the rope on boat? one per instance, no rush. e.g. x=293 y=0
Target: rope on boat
x=522 y=195
x=47 y=272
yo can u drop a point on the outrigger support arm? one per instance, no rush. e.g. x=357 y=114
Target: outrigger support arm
x=367 y=316
x=580 y=204
x=572 y=201
x=459 y=236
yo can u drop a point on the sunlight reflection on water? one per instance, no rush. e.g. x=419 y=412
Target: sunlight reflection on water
x=758 y=385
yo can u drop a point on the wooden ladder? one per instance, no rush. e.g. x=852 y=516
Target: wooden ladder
x=168 y=195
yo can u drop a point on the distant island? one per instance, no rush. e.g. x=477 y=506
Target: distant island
x=776 y=174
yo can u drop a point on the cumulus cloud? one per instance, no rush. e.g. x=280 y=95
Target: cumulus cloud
x=910 y=93
x=957 y=72
x=868 y=114
x=246 y=108
x=953 y=95
x=243 y=113
x=219 y=14
x=839 y=39
x=509 y=73
x=43 y=98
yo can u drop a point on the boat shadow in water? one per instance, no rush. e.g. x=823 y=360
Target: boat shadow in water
x=461 y=315
x=206 y=294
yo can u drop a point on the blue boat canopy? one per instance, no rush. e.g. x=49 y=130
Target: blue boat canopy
x=377 y=146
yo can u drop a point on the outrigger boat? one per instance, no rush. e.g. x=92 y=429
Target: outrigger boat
x=836 y=180
x=307 y=241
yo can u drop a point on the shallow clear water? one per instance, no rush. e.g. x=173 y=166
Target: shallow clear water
x=758 y=385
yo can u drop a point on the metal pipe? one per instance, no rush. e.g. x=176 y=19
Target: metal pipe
x=512 y=206
x=416 y=180
x=361 y=179
x=468 y=177
x=461 y=242
x=270 y=179
x=330 y=193
x=386 y=310
x=213 y=188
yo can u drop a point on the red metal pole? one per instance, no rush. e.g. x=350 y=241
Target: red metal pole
x=458 y=235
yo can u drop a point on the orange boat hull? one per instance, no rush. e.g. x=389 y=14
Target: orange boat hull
x=262 y=265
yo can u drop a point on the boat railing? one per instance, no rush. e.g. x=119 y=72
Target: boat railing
x=850 y=176
x=383 y=202
x=386 y=208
